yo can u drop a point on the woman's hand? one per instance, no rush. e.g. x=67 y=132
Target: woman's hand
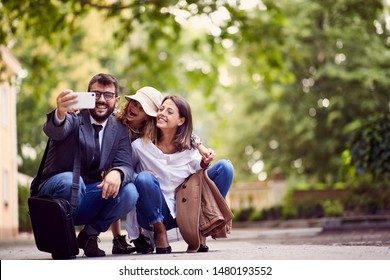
x=207 y=158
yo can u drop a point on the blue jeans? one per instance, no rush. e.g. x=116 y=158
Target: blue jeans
x=151 y=205
x=96 y=213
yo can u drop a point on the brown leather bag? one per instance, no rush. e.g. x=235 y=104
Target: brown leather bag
x=201 y=210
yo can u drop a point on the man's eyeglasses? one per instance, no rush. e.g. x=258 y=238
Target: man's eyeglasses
x=107 y=95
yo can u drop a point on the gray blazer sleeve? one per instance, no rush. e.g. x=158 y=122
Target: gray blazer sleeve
x=59 y=132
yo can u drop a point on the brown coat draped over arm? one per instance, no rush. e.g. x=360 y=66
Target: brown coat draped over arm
x=201 y=210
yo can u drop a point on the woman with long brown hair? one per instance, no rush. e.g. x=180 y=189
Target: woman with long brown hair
x=138 y=114
x=166 y=164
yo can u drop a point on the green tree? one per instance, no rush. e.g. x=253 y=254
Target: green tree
x=325 y=71
x=50 y=71
x=369 y=149
x=279 y=85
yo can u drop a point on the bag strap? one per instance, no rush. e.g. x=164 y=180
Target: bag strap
x=36 y=181
x=76 y=173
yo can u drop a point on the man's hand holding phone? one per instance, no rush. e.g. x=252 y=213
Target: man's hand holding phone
x=69 y=102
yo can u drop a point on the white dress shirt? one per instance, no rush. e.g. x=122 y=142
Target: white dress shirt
x=101 y=132
x=58 y=122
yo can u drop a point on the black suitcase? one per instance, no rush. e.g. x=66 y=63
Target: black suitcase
x=51 y=218
x=53 y=227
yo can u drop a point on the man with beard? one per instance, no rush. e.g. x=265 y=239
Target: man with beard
x=106 y=191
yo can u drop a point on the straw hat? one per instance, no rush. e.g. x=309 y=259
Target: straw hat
x=149 y=98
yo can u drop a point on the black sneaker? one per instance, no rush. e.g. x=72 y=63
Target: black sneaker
x=142 y=244
x=89 y=243
x=120 y=246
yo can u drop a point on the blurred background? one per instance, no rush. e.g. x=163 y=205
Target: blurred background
x=294 y=92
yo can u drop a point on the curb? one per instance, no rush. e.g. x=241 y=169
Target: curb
x=375 y=222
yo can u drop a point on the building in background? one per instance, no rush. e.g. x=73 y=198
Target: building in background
x=9 y=70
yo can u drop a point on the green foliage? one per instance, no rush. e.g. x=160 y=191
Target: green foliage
x=255 y=216
x=242 y=215
x=272 y=213
x=320 y=186
x=24 y=217
x=306 y=115
x=370 y=144
x=310 y=209
x=284 y=83
x=289 y=211
x=366 y=199
x=333 y=208
x=339 y=185
x=348 y=169
x=303 y=187
x=357 y=199
x=52 y=20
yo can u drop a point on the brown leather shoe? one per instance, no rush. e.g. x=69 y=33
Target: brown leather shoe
x=89 y=243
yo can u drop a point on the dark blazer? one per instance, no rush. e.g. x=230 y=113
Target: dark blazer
x=115 y=151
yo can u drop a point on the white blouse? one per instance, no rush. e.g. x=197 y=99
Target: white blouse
x=170 y=169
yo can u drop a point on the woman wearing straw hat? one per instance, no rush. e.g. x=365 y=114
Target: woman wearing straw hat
x=138 y=114
x=166 y=162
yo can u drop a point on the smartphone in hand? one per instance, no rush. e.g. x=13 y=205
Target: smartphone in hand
x=85 y=100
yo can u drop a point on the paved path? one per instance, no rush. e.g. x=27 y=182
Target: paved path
x=245 y=244
x=292 y=253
